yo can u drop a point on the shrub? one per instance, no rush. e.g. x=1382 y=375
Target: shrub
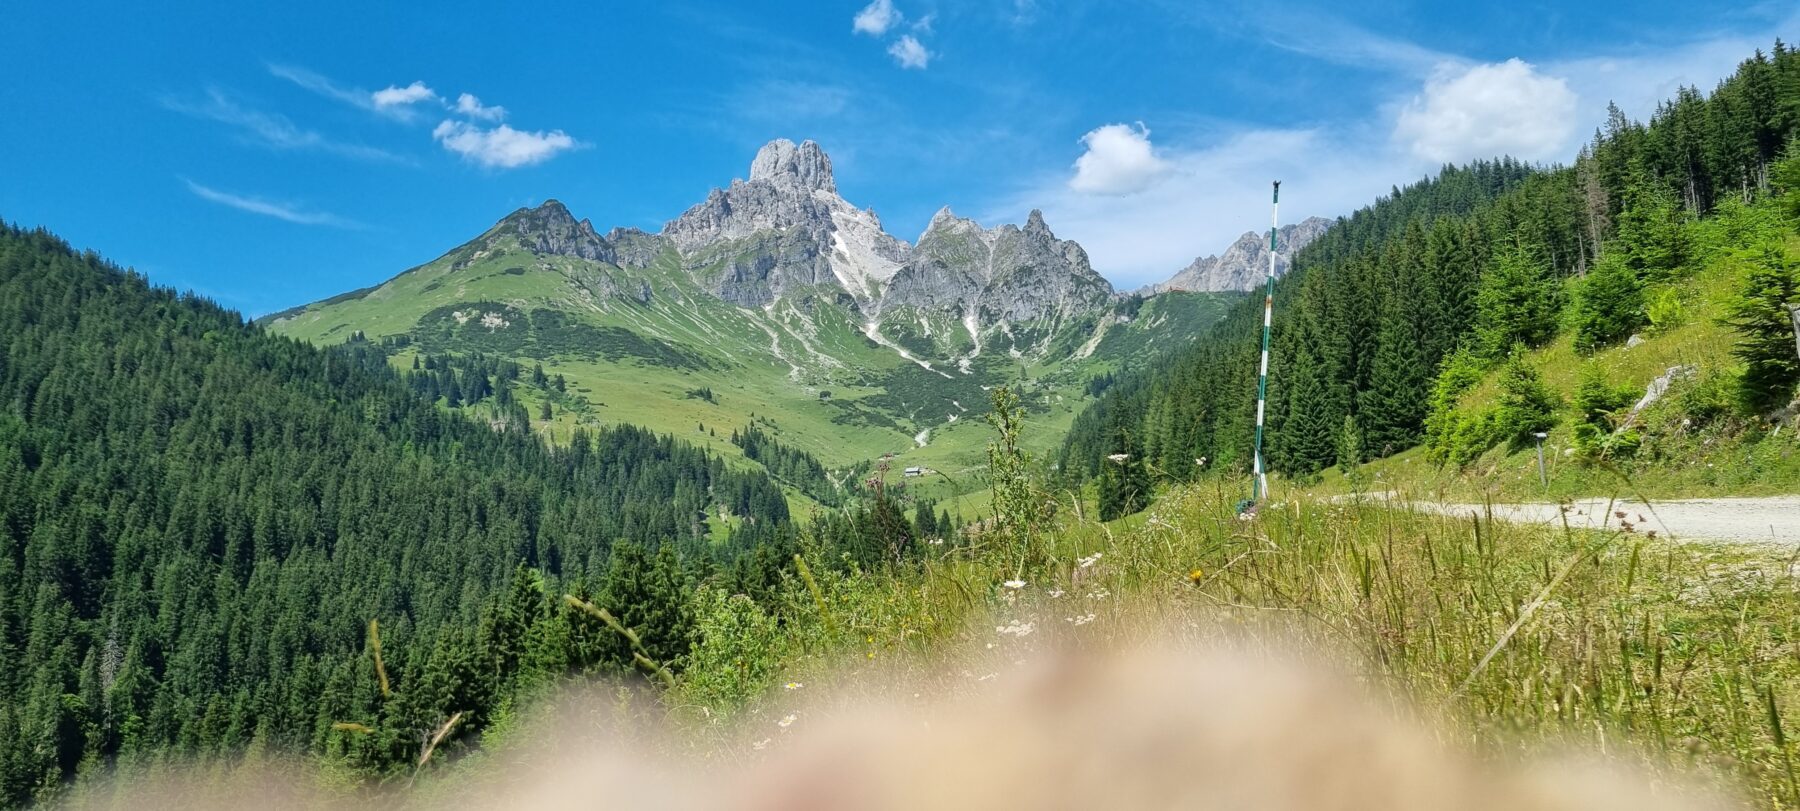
x=1448 y=431
x=1706 y=400
x=1600 y=407
x=1665 y=311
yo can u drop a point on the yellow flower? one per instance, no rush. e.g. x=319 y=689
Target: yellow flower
x=1196 y=576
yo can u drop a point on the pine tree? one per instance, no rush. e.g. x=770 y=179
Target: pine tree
x=1760 y=315
x=1526 y=405
x=1516 y=304
x=1609 y=304
x=1392 y=410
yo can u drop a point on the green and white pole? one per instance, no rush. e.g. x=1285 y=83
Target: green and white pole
x=1259 y=482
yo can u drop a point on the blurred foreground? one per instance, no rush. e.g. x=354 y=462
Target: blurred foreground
x=1158 y=724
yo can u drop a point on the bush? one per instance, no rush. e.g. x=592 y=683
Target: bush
x=1451 y=434
x=1708 y=399
x=1601 y=409
x=1665 y=311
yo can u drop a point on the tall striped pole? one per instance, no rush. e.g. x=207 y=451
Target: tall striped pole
x=1259 y=482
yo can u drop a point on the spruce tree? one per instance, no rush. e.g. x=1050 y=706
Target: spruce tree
x=1516 y=303
x=1609 y=304
x=1392 y=410
x=1760 y=315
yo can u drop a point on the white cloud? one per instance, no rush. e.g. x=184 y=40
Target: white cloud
x=271 y=129
x=876 y=18
x=1483 y=111
x=280 y=211
x=467 y=104
x=909 y=52
x=1119 y=160
x=399 y=97
x=501 y=147
x=1211 y=193
x=323 y=86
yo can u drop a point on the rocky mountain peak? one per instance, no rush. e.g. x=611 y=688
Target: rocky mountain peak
x=806 y=165
x=1034 y=224
x=1245 y=263
x=551 y=229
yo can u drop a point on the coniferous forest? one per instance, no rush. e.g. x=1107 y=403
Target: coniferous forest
x=1397 y=309
x=199 y=523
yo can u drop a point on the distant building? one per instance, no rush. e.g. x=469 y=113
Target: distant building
x=914 y=471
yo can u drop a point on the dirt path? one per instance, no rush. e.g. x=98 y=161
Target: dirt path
x=1774 y=519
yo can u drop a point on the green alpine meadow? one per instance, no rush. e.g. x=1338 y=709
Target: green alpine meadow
x=366 y=441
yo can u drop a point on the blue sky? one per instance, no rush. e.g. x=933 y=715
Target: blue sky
x=267 y=157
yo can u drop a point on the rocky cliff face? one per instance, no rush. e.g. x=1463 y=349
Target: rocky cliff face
x=785 y=232
x=785 y=228
x=1006 y=274
x=1245 y=264
x=551 y=229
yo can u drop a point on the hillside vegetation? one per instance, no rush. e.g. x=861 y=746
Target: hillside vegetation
x=199 y=522
x=1453 y=313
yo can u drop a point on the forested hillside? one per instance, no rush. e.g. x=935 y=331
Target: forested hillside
x=200 y=521
x=1393 y=315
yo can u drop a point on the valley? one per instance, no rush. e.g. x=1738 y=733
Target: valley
x=795 y=311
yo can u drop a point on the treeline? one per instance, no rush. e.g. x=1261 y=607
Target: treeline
x=198 y=521
x=791 y=465
x=1455 y=273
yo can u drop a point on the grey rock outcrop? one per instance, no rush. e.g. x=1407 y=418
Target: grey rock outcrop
x=1245 y=264
x=551 y=229
x=1005 y=274
x=634 y=248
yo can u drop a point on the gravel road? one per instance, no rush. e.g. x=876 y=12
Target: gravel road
x=1775 y=519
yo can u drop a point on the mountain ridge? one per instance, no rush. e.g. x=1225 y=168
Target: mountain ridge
x=792 y=302
x=1244 y=264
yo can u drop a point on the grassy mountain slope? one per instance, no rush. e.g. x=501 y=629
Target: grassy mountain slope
x=637 y=344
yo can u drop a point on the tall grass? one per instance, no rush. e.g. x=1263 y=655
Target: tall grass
x=1519 y=637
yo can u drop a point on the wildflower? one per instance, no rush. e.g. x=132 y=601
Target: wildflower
x=1081 y=620
x=1014 y=584
x=1016 y=628
x=1089 y=560
x=1195 y=576
x=762 y=744
x=794 y=685
x=1099 y=594
x=788 y=721
x=1055 y=593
